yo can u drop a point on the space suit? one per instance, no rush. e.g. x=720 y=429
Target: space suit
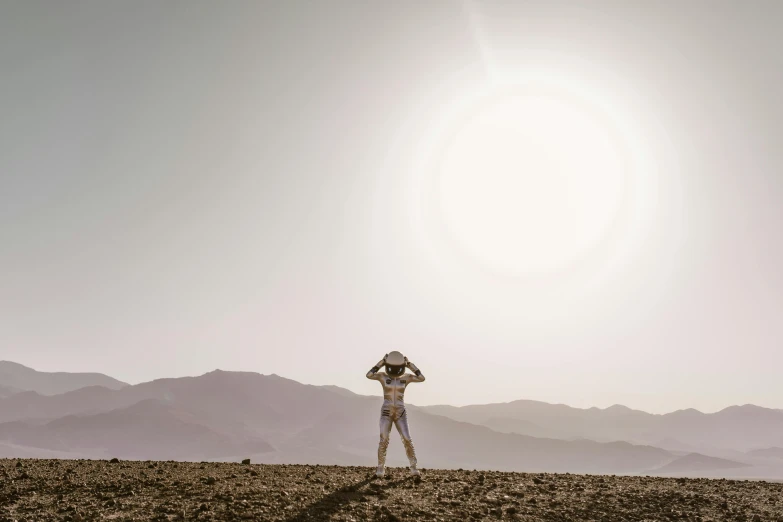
x=394 y=381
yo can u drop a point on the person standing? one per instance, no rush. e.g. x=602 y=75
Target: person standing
x=394 y=381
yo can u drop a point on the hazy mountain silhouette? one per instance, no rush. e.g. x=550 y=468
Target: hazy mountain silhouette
x=232 y=415
x=521 y=427
x=270 y=405
x=8 y=451
x=776 y=453
x=7 y=391
x=32 y=405
x=695 y=462
x=149 y=429
x=17 y=377
x=738 y=428
x=222 y=414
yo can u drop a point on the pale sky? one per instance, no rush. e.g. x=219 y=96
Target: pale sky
x=532 y=200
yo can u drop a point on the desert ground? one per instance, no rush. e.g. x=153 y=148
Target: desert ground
x=84 y=490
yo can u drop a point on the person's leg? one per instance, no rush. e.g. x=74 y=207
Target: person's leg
x=402 y=427
x=385 y=428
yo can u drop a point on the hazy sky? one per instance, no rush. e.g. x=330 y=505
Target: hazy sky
x=300 y=187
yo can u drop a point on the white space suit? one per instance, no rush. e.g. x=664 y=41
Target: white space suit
x=393 y=409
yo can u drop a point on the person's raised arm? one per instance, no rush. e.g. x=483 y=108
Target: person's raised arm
x=417 y=375
x=373 y=373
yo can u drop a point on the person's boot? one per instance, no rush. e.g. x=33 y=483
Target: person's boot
x=411 y=456
x=383 y=444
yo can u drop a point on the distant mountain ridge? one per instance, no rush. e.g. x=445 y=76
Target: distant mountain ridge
x=7 y=391
x=15 y=377
x=695 y=462
x=232 y=415
x=736 y=428
x=147 y=430
x=222 y=415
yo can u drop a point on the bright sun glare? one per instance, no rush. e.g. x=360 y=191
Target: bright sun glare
x=530 y=180
x=544 y=172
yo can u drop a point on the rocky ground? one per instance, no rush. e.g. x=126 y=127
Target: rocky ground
x=63 y=490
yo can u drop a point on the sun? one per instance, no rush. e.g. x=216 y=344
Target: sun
x=528 y=180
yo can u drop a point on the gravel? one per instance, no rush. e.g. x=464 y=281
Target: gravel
x=84 y=490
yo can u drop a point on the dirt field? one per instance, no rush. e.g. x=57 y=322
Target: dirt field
x=44 y=490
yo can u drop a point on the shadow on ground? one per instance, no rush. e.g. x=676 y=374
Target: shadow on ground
x=324 y=508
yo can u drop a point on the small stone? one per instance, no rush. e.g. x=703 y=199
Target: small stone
x=246 y=461
x=115 y=460
x=210 y=481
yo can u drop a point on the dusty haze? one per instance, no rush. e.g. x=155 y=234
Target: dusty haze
x=194 y=185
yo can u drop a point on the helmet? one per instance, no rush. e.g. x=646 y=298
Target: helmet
x=395 y=364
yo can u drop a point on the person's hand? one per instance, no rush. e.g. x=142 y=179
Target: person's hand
x=407 y=363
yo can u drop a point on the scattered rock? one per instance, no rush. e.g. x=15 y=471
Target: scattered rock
x=88 y=491
x=246 y=461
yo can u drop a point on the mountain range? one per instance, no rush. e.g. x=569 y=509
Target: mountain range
x=15 y=377
x=736 y=428
x=234 y=415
